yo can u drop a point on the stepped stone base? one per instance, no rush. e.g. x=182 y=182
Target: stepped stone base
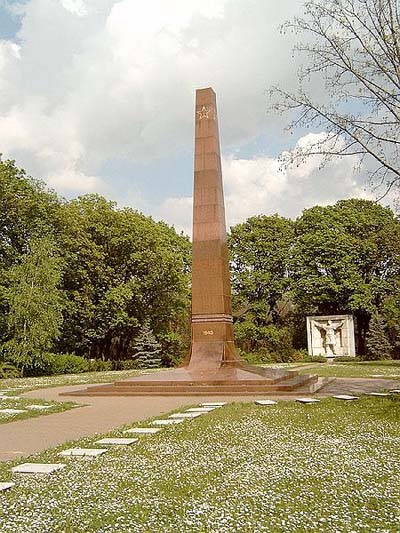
x=225 y=381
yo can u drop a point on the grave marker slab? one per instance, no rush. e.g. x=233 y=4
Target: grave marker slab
x=168 y=422
x=5 y=485
x=201 y=409
x=37 y=468
x=395 y=391
x=378 y=394
x=82 y=452
x=117 y=441
x=13 y=411
x=185 y=415
x=38 y=407
x=345 y=397
x=307 y=400
x=143 y=431
x=265 y=402
x=213 y=404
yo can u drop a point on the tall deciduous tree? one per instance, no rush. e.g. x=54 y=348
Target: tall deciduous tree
x=35 y=304
x=260 y=251
x=352 y=48
x=121 y=268
x=346 y=259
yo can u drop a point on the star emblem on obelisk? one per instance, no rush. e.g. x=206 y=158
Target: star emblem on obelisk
x=204 y=112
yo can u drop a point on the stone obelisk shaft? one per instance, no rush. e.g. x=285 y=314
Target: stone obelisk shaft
x=212 y=330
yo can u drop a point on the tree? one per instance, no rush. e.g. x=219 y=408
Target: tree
x=27 y=209
x=146 y=349
x=35 y=304
x=260 y=251
x=378 y=345
x=346 y=259
x=353 y=47
x=121 y=269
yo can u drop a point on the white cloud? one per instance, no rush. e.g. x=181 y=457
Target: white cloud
x=76 y=7
x=100 y=79
x=260 y=186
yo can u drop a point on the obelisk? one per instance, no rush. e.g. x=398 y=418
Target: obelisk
x=213 y=366
x=212 y=328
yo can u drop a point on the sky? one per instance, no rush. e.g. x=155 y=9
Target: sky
x=98 y=96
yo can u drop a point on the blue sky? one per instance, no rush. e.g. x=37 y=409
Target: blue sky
x=97 y=96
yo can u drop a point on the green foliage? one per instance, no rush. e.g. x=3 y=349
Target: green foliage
x=49 y=364
x=99 y=365
x=378 y=345
x=346 y=259
x=146 y=349
x=121 y=269
x=7 y=370
x=259 y=259
x=35 y=304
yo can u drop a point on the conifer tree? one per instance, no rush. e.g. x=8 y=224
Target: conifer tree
x=146 y=348
x=378 y=345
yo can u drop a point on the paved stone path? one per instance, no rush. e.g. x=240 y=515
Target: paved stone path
x=102 y=414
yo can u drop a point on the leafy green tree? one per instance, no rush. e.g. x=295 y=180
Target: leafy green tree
x=346 y=259
x=146 y=349
x=27 y=208
x=121 y=268
x=35 y=304
x=378 y=345
x=260 y=251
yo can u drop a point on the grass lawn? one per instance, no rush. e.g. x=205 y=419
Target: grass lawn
x=386 y=369
x=327 y=467
x=23 y=403
x=18 y=385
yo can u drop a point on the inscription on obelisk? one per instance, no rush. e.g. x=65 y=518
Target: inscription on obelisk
x=212 y=329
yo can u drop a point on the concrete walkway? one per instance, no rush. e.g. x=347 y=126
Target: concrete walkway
x=102 y=414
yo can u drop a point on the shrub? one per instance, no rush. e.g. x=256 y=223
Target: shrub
x=346 y=359
x=315 y=359
x=7 y=370
x=100 y=365
x=69 y=364
x=48 y=364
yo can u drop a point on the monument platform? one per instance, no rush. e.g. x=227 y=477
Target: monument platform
x=227 y=380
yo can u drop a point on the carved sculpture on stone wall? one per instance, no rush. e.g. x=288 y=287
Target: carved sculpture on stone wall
x=331 y=336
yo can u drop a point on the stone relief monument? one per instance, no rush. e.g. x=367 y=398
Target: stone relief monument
x=331 y=336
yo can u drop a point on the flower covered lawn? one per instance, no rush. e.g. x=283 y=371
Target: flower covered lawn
x=332 y=466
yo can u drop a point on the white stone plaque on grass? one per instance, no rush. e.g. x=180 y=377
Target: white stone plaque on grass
x=307 y=400
x=37 y=468
x=5 y=485
x=201 y=409
x=13 y=411
x=38 y=407
x=345 y=397
x=118 y=441
x=6 y=397
x=143 y=431
x=185 y=415
x=213 y=404
x=266 y=402
x=168 y=422
x=82 y=452
x=378 y=394
x=395 y=391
